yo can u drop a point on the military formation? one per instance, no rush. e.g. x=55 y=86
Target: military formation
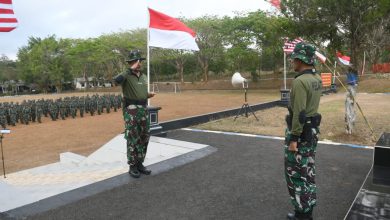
x=34 y=110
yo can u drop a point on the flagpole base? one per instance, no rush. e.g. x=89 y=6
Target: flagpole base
x=155 y=127
x=333 y=88
x=285 y=96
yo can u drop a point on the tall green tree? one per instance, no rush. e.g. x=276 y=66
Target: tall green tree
x=8 y=69
x=42 y=62
x=344 y=23
x=209 y=40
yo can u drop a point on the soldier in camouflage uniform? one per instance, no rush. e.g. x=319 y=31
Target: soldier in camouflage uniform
x=53 y=110
x=3 y=116
x=135 y=91
x=73 y=108
x=33 y=110
x=114 y=103
x=26 y=111
x=119 y=101
x=39 y=112
x=66 y=105
x=12 y=114
x=91 y=106
x=301 y=134
x=62 y=106
x=107 y=103
x=7 y=115
x=86 y=104
x=81 y=106
x=99 y=104
x=45 y=107
x=18 y=113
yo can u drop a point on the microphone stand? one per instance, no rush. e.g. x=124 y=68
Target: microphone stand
x=2 y=153
x=246 y=107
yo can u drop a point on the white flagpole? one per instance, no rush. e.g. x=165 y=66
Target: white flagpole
x=148 y=58
x=334 y=72
x=364 y=63
x=285 y=71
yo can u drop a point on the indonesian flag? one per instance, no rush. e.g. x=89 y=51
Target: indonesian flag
x=320 y=56
x=171 y=33
x=343 y=59
x=8 y=21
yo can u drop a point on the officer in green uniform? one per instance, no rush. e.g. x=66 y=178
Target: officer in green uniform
x=135 y=95
x=302 y=132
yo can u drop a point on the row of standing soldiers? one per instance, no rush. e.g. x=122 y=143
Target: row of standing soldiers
x=33 y=110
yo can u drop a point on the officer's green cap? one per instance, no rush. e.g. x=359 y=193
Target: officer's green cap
x=134 y=55
x=304 y=52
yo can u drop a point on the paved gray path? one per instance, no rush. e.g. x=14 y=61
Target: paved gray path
x=242 y=180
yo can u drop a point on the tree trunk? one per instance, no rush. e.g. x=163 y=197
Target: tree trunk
x=85 y=77
x=180 y=69
x=204 y=65
x=206 y=71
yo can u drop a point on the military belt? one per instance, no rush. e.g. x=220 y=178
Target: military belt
x=127 y=102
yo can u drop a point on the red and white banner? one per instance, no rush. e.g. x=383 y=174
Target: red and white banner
x=290 y=45
x=326 y=79
x=8 y=21
x=343 y=59
x=171 y=33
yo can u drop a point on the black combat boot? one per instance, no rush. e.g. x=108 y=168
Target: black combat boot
x=299 y=216
x=134 y=172
x=143 y=169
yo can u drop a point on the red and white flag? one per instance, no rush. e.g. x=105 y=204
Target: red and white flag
x=275 y=3
x=171 y=33
x=346 y=60
x=290 y=45
x=8 y=21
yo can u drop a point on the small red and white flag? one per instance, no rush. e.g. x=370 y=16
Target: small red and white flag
x=171 y=33
x=275 y=3
x=290 y=45
x=346 y=60
x=8 y=21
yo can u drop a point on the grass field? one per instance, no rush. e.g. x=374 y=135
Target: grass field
x=272 y=121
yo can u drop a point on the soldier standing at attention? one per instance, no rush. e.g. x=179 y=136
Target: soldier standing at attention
x=135 y=95
x=301 y=135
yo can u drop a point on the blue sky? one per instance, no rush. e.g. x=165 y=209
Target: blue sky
x=91 y=18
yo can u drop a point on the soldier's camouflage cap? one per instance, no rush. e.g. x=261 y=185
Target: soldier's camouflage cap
x=134 y=55
x=304 y=52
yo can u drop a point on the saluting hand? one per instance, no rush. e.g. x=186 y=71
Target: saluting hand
x=293 y=146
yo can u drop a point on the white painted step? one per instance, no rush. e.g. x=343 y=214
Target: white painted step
x=74 y=171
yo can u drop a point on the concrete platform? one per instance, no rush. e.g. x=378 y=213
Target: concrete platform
x=75 y=171
x=373 y=199
x=244 y=179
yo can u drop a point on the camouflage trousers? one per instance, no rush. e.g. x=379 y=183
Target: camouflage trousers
x=137 y=133
x=300 y=173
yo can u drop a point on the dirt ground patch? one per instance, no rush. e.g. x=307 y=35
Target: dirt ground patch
x=272 y=121
x=39 y=144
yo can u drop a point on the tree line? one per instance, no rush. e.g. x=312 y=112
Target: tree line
x=247 y=42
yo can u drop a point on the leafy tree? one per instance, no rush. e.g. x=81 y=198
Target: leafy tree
x=8 y=69
x=209 y=40
x=42 y=62
x=344 y=23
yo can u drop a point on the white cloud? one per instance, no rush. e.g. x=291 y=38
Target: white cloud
x=91 y=18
